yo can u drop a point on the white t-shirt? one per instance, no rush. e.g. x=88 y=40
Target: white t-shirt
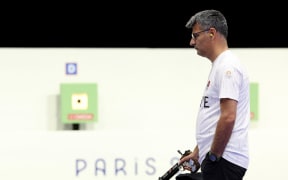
x=227 y=79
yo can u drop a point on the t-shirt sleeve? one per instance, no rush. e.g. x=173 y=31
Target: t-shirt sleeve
x=229 y=83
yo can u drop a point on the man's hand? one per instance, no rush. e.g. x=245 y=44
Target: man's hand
x=190 y=162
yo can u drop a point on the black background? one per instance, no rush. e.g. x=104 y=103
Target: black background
x=138 y=24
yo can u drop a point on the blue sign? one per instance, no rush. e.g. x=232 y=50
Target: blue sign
x=71 y=68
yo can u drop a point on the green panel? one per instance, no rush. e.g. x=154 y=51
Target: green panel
x=78 y=102
x=254 y=101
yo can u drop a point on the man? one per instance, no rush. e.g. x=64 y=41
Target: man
x=224 y=114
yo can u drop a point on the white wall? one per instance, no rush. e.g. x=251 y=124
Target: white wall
x=148 y=100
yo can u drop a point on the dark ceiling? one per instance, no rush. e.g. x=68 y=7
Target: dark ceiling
x=136 y=24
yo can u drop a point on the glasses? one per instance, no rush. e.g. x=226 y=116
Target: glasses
x=195 y=35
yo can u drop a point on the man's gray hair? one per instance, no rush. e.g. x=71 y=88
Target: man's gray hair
x=209 y=19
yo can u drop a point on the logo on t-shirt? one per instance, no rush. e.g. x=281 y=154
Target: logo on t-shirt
x=228 y=74
x=208 y=84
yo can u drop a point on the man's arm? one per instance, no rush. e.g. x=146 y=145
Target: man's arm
x=228 y=109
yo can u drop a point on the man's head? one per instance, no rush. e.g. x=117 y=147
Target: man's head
x=210 y=19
